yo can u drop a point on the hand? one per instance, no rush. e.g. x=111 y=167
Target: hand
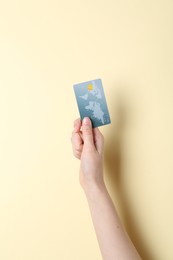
x=88 y=145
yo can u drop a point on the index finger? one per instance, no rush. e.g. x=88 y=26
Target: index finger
x=77 y=125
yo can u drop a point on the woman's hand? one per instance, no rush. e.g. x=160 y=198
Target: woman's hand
x=88 y=144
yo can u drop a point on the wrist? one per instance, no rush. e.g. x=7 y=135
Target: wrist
x=94 y=190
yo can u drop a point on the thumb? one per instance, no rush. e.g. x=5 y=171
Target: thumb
x=87 y=133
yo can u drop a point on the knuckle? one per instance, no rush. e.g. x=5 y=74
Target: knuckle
x=77 y=149
x=77 y=154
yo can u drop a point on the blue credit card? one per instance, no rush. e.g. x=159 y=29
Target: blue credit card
x=92 y=102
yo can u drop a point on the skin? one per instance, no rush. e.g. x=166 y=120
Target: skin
x=88 y=147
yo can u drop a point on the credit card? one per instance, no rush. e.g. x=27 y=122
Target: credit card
x=91 y=102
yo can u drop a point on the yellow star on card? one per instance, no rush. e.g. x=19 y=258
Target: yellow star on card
x=90 y=87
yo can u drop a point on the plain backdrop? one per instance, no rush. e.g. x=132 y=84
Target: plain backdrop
x=45 y=48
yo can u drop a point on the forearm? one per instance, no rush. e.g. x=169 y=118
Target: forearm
x=112 y=238
x=88 y=147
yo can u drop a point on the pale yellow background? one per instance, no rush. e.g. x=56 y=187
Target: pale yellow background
x=46 y=47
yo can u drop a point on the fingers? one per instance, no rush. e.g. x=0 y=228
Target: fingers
x=88 y=138
x=77 y=125
x=77 y=145
x=76 y=139
x=87 y=133
x=98 y=140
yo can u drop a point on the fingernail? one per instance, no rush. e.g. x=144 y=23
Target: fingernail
x=86 y=121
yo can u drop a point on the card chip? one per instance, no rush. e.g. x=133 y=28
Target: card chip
x=90 y=87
